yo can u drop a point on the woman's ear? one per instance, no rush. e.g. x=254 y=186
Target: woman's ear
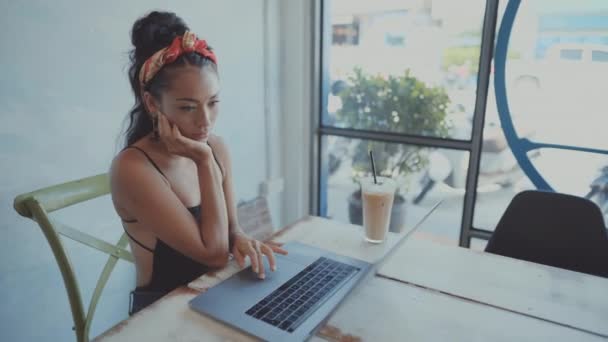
x=150 y=103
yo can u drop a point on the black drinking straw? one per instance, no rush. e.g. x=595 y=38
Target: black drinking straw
x=371 y=157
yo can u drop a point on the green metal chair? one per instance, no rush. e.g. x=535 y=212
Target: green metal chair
x=38 y=204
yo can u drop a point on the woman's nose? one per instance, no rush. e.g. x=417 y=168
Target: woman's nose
x=204 y=120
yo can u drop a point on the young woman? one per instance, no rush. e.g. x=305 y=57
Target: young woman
x=172 y=184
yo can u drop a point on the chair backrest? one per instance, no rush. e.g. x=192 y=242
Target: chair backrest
x=38 y=204
x=255 y=219
x=553 y=229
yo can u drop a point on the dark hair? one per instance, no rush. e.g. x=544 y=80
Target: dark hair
x=148 y=35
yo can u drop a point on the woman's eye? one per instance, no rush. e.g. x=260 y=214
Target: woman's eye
x=213 y=103
x=188 y=108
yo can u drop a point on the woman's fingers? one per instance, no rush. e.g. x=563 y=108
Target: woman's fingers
x=276 y=247
x=256 y=250
x=175 y=134
x=267 y=250
x=240 y=259
x=260 y=256
x=279 y=250
x=253 y=257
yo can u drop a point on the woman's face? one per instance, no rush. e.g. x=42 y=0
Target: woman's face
x=192 y=101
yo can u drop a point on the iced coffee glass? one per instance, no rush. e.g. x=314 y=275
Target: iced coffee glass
x=377 y=204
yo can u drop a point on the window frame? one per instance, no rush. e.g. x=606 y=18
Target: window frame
x=321 y=44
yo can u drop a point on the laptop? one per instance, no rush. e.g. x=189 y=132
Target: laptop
x=291 y=303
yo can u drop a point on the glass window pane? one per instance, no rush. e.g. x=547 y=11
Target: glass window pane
x=556 y=88
x=599 y=56
x=404 y=66
x=571 y=54
x=571 y=172
x=556 y=95
x=424 y=176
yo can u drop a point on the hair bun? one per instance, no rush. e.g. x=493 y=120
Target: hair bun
x=155 y=31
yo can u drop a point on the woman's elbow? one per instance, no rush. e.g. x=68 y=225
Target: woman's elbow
x=219 y=259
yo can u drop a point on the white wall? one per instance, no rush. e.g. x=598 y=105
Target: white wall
x=64 y=91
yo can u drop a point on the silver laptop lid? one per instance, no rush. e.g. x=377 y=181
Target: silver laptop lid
x=405 y=236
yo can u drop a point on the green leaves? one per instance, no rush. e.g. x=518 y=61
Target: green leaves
x=398 y=104
x=401 y=104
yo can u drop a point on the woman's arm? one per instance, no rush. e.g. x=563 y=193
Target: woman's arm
x=142 y=191
x=214 y=219
x=221 y=151
x=240 y=244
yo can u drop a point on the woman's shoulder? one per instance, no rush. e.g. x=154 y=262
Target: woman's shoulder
x=130 y=162
x=129 y=156
x=124 y=165
x=220 y=151
x=219 y=147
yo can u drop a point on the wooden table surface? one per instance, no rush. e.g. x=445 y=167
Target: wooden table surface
x=556 y=295
x=424 y=292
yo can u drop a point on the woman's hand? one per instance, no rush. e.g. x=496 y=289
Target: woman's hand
x=176 y=143
x=245 y=246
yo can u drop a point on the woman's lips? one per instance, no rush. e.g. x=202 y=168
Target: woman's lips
x=201 y=135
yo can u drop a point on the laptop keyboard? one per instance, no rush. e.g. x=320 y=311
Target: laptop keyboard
x=289 y=305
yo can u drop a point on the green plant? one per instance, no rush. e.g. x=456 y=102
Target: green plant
x=398 y=104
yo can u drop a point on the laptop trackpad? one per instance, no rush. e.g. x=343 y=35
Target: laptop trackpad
x=244 y=289
x=249 y=282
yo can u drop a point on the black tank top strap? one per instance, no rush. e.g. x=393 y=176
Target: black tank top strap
x=139 y=243
x=147 y=157
x=158 y=169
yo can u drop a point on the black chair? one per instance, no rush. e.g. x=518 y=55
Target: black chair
x=553 y=229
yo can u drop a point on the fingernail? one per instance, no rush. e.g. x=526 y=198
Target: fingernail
x=262 y=276
x=274 y=268
x=255 y=269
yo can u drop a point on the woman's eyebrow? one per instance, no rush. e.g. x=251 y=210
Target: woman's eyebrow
x=187 y=99
x=195 y=100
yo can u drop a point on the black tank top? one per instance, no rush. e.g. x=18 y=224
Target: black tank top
x=170 y=268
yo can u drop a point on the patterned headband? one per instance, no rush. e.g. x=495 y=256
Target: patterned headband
x=180 y=45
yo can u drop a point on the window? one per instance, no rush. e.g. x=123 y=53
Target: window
x=418 y=88
x=556 y=109
x=571 y=54
x=407 y=90
x=345 y=31
x=346 y=159
x=599 y=56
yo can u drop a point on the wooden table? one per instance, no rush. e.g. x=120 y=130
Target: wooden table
x=424 y=292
